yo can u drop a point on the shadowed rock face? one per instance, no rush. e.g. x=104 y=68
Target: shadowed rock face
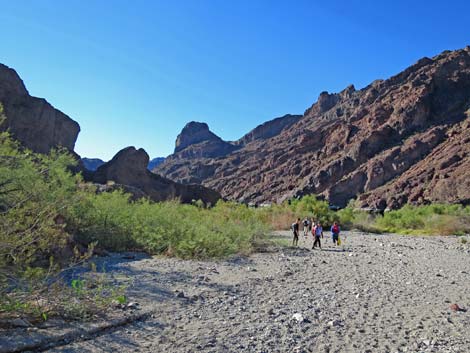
x=33 y=121
x=129 y=167
x=396 y=141
x=269 y=129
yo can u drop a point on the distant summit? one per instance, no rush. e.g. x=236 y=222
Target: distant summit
x=92 y=163
x=196 y=141
x=155 y=162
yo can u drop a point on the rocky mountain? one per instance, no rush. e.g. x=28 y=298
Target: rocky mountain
x=197 y=141
x=129 y=167
x=40 y=127
x=92 y=163
x=155 y=162
x=402 y=140
x=33 y=121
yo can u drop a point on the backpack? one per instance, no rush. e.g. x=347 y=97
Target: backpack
x=335 y=229
x=292 y=227
x=305 y=223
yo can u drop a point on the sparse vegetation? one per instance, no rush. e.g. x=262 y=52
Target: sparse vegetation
x=280 y=217
x=436 y=219
x=51 y=220
x=113 y=222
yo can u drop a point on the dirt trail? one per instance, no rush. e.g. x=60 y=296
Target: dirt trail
x=376 y=293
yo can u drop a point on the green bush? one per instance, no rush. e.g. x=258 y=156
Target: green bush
x=45 y=210
x=34 y=191
x=280 y=217
x=115 y=223
x=435 y=219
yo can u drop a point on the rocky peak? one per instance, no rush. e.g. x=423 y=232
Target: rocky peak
x=193 y=133
x=11 y=83
x=326 y=101
x=124 y=166
x=347 y=92
x=197 y=141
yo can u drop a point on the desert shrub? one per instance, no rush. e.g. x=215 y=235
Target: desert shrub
x=280 y=217
x=115 y=223
x=310 y=206
x=434 y=219
x=36 y=193
x=45 y=210
x=350 y=218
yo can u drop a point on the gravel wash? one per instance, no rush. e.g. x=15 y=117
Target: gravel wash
x=375 y=293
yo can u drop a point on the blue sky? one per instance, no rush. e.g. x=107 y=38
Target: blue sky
x=135 y=72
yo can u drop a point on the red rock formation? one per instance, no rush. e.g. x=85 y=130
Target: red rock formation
x=396 y=141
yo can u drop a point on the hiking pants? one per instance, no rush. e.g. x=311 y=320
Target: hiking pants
x=335 y=237
x=295 y=241
x=317 y=241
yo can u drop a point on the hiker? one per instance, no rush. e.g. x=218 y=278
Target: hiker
x=317 y=232
x=295 y=230
x=305 y=223
x=335 y=233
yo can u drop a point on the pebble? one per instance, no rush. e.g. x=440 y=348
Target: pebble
x=334 y=323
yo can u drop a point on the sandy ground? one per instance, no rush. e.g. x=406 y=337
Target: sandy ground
x=376 y=293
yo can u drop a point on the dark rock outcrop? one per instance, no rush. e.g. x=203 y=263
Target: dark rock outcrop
x=269 y=129
x=197 y=141
x=129 y=167
x=396 y=141
x=33 y=121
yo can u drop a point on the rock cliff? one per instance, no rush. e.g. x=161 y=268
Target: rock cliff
x=400 y=140
x=33 y=121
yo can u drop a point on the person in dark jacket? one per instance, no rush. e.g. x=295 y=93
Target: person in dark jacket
x=295 y=230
